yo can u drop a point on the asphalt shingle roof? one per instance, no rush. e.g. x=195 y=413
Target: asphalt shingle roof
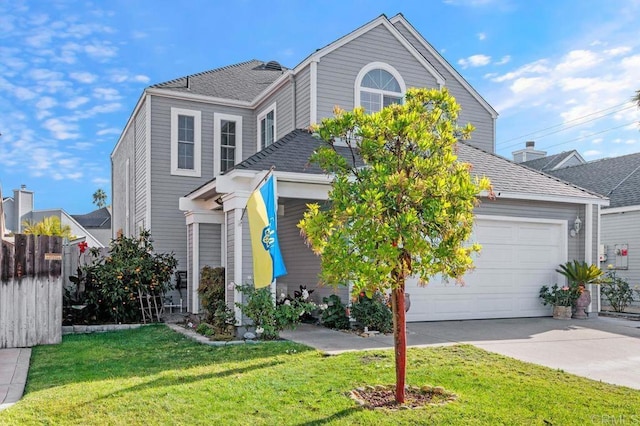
x=549 y=162
x=241 y=82
x=291 y=154
x=97 y=219
x=617 y=178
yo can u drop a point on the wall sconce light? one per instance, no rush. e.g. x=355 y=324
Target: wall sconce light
x=577 y=225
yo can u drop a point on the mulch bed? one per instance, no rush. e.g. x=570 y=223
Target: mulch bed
x=381 y=396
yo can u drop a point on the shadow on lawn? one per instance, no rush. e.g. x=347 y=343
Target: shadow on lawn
x=335 y=416
x=168 y=381
x=140 y=352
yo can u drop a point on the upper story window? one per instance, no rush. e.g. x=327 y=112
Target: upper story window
x=378 y=85
x=227 y=142
x=267 y=127
x=185 y=142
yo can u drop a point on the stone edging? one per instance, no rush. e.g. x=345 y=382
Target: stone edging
x=205 y=340
x=101 y=328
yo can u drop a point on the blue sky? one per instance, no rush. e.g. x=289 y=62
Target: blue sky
x=560 y=73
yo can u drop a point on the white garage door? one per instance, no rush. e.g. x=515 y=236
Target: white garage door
x=517 y=258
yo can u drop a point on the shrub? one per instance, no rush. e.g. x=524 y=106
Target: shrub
x=373 y=313
x=617 y=291
x=334 y=313
x=212 y=297
x=112 y=284
x=267 y=316
x=560 y=296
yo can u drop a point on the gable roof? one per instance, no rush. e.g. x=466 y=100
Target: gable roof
x=551 y=162
x=241 y=82
x=97 y=219
x=291 y=154
x=617 y=178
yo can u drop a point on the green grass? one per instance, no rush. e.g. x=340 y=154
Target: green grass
x=153 y=375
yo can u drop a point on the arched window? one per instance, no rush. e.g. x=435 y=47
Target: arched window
x=377 y=86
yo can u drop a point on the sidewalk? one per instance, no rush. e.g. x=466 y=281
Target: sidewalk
x=603 y=349
x=14 y=366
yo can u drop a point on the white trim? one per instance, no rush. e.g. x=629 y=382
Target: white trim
x=625 y=209
x=588 y=233
x=127 y=198
x=147 y=142
x=552 y=198
x=597 y=287
x=567 y=158
x=381 y=20
x=262 y=115
x=197 y=142
x=372 y=66
x=444 y=63
x=195 y=267
x=237 y=270
x=313 y=92
x=208 y=216
x=217 y=156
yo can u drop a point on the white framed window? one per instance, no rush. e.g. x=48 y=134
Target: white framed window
x=227 y=142
x=186 y=144
x=378 y=85
x=267 y=127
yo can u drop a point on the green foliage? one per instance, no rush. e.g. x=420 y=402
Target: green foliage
x=50 y=226
x=560 y=296
x=409 y=210
x=334 y=313
x=580 y=272
x=268 y=317
x=205 y=329
x=112 y=283
x=373 y=312
x=212 y=297
x=617 y=291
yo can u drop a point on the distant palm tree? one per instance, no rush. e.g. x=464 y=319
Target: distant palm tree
x=48 y=226
x=100 y=198
x=636 y=98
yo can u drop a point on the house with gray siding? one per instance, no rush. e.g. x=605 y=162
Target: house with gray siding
x=194 y=149
x=617 y=178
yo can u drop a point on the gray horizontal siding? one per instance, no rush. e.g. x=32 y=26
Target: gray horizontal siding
x=472 y=111
x=210 y=245
x=337 y=71
x=283 y=99
x=167 y=222
x=125 y=151
x=140 y=198
x=303 y=97
x=622 y=228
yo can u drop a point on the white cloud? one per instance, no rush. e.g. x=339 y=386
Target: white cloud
x=617 y=51
x=83 y=77
x=76 y=102
x=592 y=153
x=61 y=130
x=481 y=36
x=101 y=51
x=141 y=78
x=505 y=60
x=578 y=61
x=100 y=181
x=106 y=94
x=540 y=66
x=475 y=61
x=46 y=102
x=23 y=93
x=534 y=85
x=109 y=131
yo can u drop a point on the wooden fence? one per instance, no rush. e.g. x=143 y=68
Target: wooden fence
x=30 y=291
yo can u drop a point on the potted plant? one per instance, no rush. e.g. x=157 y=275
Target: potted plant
x=561 y=298
x=580 y=274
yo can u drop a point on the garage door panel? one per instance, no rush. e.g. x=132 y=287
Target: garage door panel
x=517 y=258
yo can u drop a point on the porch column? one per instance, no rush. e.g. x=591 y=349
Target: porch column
x=194 y=219
x=233 y=206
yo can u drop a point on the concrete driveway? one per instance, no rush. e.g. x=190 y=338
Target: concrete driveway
x=604 y=349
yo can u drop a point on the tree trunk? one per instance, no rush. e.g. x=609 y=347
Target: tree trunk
x=400 y=339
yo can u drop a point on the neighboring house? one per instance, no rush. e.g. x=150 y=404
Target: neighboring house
x=20 y=208
x=618 y=179
x=98 y=223
x=539 y=160
x=194 y=148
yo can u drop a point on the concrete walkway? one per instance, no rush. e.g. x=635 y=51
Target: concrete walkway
x=14 y=366
x=603 y=349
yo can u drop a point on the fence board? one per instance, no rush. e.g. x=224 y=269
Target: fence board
x=31 y=291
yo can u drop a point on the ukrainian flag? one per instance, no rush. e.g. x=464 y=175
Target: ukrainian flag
x=262 y=211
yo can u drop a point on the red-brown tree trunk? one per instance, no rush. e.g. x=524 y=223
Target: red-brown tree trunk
x=400 y=338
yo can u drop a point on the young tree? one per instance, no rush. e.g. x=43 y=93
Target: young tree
x=100 y=198
x=47 y=226
x=400 y=204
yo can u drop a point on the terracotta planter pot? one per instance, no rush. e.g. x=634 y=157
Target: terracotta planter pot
x=562 y=312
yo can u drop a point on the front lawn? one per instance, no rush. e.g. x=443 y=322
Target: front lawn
x=154 y=376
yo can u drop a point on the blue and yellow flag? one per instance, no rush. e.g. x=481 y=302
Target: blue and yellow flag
x=267 y=259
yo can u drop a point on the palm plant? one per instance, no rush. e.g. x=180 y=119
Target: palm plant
x=48 y=226
x=580 y=272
